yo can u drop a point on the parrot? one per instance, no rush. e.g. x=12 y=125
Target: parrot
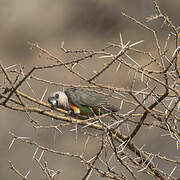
x=81 y=102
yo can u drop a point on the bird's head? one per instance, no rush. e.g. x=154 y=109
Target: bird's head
x=59 y=99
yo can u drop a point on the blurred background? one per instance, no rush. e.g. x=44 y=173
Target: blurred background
x=81 y=25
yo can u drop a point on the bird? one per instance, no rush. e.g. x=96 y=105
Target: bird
x=81 y=102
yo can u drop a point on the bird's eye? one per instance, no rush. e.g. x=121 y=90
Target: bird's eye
x=56 y=96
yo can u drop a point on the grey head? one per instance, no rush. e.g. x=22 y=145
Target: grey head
x=59 y=99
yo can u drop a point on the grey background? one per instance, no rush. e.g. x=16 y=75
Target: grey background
x=81 y=25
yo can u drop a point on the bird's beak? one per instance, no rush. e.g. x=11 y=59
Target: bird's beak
x=53 y=102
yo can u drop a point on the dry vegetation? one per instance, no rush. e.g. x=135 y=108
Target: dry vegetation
x=154 y=105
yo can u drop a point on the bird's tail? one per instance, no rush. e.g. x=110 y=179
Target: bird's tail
x=110 y=107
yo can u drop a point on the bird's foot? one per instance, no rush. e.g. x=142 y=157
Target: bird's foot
x=71 y=113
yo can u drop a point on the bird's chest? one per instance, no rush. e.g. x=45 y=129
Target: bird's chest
x=86 y=111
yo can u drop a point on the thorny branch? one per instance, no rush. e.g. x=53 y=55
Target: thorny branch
x=155 y=105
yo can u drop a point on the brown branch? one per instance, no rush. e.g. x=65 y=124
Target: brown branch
x=16 y=171
x=133 y=134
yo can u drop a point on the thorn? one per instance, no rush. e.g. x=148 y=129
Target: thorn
x=119 y=65
x=107 y=56
x=172 y=172
x=121 y=105
x=176 y=51
x=43 y=94
x=59 y=130
x=41 y=156
x=35 y=152
x=121 y=41
x=138 y=42
x=27 y=174
x=12 y=142
x=11 y=66
x=62 y=44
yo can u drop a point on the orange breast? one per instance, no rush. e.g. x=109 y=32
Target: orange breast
x=75 y=109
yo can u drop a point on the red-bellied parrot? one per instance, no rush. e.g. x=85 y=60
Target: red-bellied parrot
x=81 y=102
